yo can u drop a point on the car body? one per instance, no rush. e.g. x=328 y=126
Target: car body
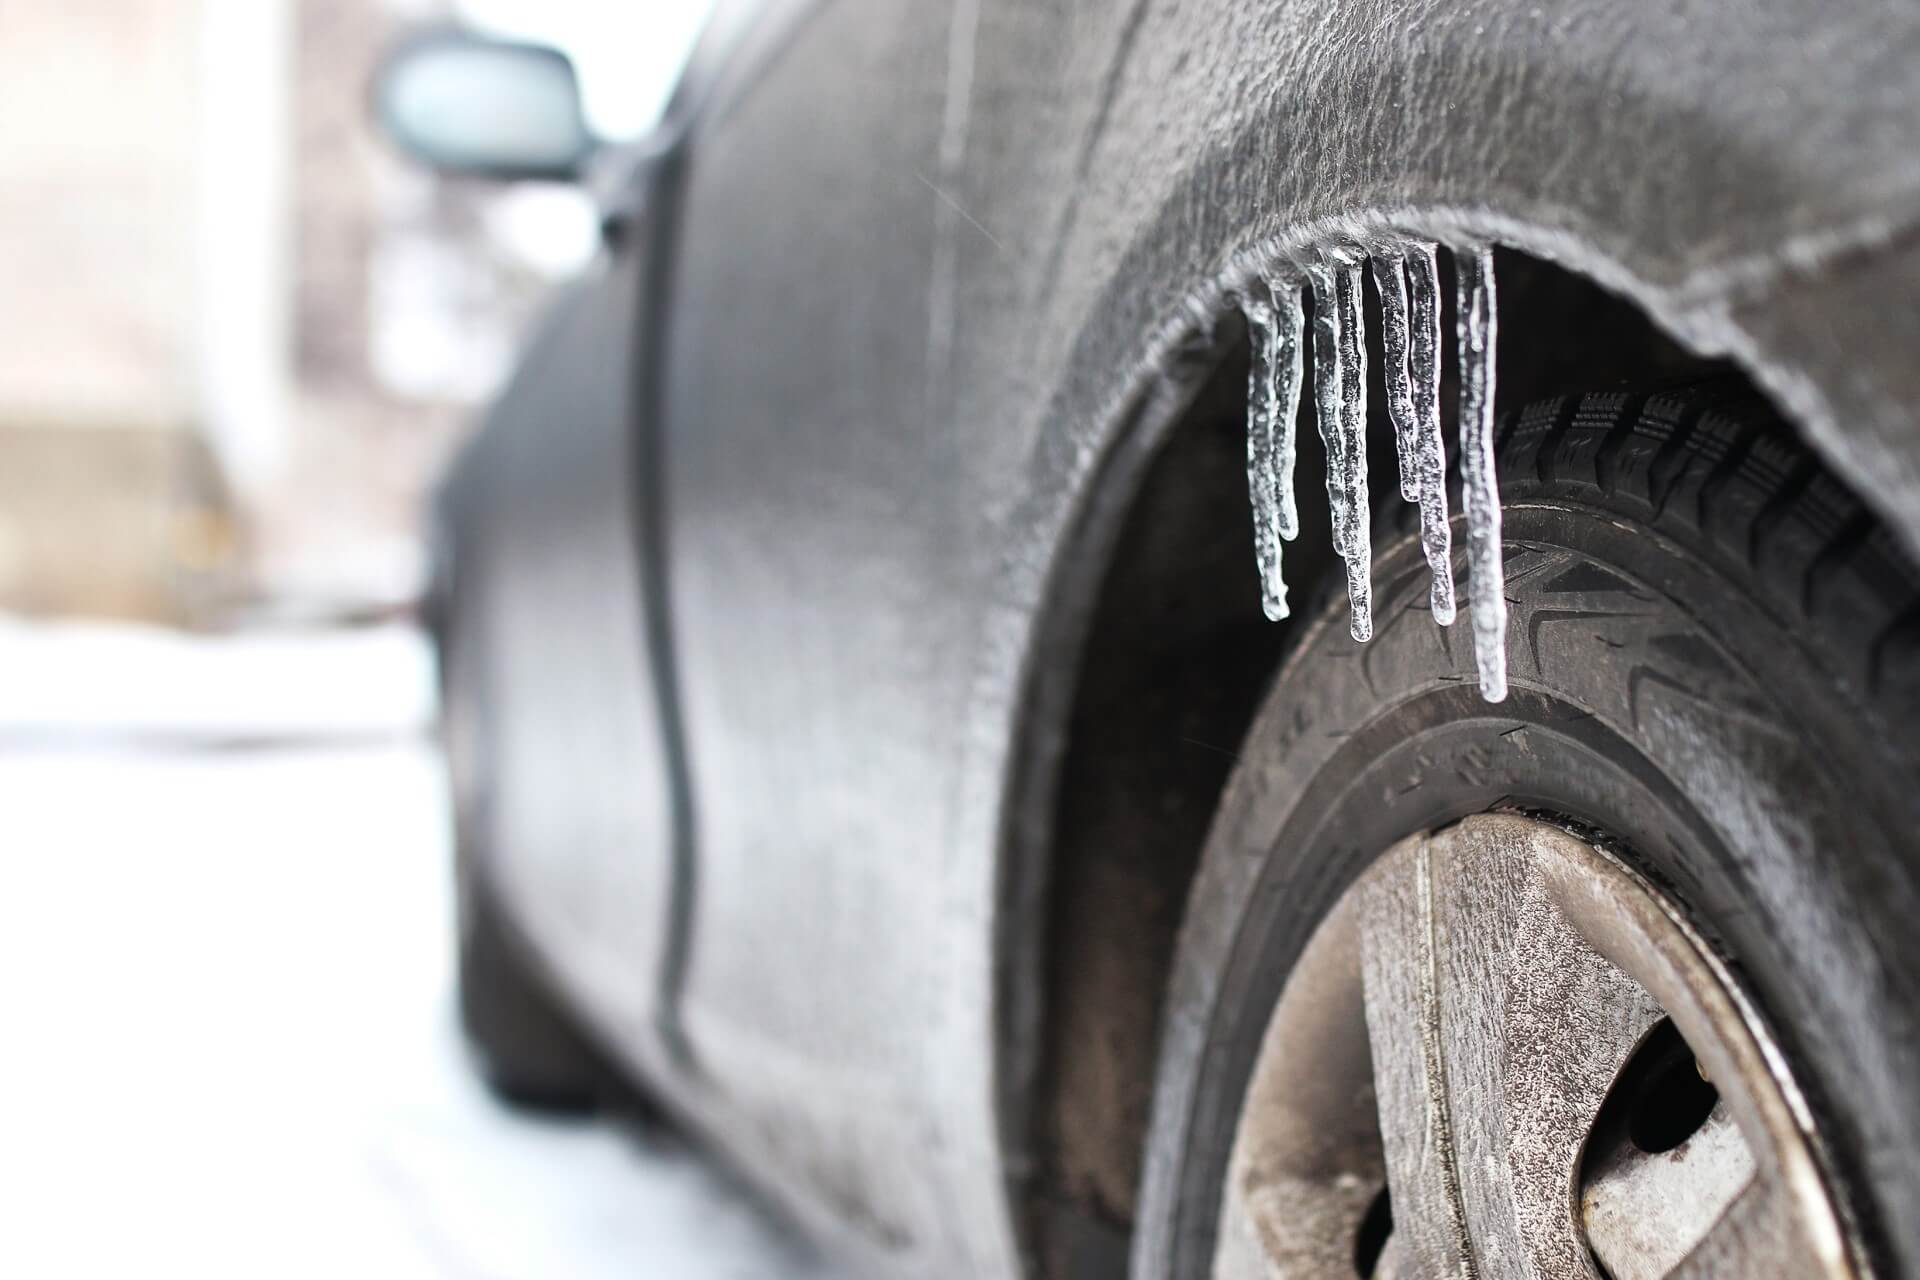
x=838 y=677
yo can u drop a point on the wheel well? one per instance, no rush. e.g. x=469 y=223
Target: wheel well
x=1174 y=662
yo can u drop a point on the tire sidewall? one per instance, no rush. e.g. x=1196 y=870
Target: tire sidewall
x=1653 y=701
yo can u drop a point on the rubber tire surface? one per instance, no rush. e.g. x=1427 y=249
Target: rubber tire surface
x=530 y=1053
x=1713 y=662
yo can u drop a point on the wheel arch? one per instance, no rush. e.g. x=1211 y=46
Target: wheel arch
x=1150 y=656
x=1693 y=196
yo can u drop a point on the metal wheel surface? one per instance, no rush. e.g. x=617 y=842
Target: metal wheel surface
x=1504 y=1054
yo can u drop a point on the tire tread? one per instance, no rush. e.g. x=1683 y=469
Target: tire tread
x=1715 y=461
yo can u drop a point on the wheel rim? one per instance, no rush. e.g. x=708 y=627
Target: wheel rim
x=1505 y=1054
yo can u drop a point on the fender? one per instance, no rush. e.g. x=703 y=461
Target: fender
x=1693 y=159
x=1044 y=209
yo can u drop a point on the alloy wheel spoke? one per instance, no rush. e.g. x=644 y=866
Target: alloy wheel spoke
x=1496 y=1031
x=1304 y=1174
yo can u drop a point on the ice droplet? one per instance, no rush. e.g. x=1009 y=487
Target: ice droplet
x=1263 y=414
x=1477 y=326
x=1340 y=399
x=1410 y=343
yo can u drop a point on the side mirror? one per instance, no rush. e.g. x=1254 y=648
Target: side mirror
x=467 y=105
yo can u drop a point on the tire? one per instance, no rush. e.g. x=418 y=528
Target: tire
x=530 y=1052
x=1713 y=659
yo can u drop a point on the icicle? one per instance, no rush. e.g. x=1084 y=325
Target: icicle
x=1353 y=432
x=1263 y=412
x=1285 y=365
x=1410 y=341
x=1391 y=281
x=1327 y=396
x=1478 y=327
x=1340 y=396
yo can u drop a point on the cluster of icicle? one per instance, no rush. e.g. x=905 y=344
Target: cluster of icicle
x=1408 y=281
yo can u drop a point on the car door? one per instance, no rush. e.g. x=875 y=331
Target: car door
x=553 y=652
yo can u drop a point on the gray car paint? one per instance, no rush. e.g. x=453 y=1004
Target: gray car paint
x=929 y=265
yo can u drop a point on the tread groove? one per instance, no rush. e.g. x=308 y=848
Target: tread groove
x=1839 y=549
x=1714 y=487
x=1606 y=461
x=1673 y=456
x=1563 y=419
x=1780 y=507
x=1903 y=633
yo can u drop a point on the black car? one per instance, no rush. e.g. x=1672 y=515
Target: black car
x=917 y=712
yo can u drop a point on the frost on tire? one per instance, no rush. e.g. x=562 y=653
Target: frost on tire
x=1408 y=280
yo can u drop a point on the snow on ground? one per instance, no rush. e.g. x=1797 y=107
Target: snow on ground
x=228 y=1046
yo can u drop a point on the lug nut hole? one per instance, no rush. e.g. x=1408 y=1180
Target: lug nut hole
x=1667 y=1097
x=1370 y=1241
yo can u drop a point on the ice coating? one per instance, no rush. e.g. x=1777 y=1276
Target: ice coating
x=1263 y=396
x=1409 y=289
x=1477 y=325
x=1340 y=403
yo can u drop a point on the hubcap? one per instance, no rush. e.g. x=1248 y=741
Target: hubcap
x=1503 y=1054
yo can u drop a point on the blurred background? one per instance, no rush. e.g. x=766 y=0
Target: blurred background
x=239 y=334
x=238 y=340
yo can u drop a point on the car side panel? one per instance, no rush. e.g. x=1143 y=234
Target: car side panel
x=813 y=541
x=546 y=588
x=932 y=263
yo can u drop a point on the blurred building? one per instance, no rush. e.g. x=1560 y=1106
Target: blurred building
x=108 y=498
x=236 y=336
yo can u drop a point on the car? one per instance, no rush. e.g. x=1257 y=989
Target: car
x=917 y=714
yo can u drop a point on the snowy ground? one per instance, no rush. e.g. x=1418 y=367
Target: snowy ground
x=226 y=1046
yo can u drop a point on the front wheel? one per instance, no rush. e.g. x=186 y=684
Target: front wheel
x=1612 y=979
